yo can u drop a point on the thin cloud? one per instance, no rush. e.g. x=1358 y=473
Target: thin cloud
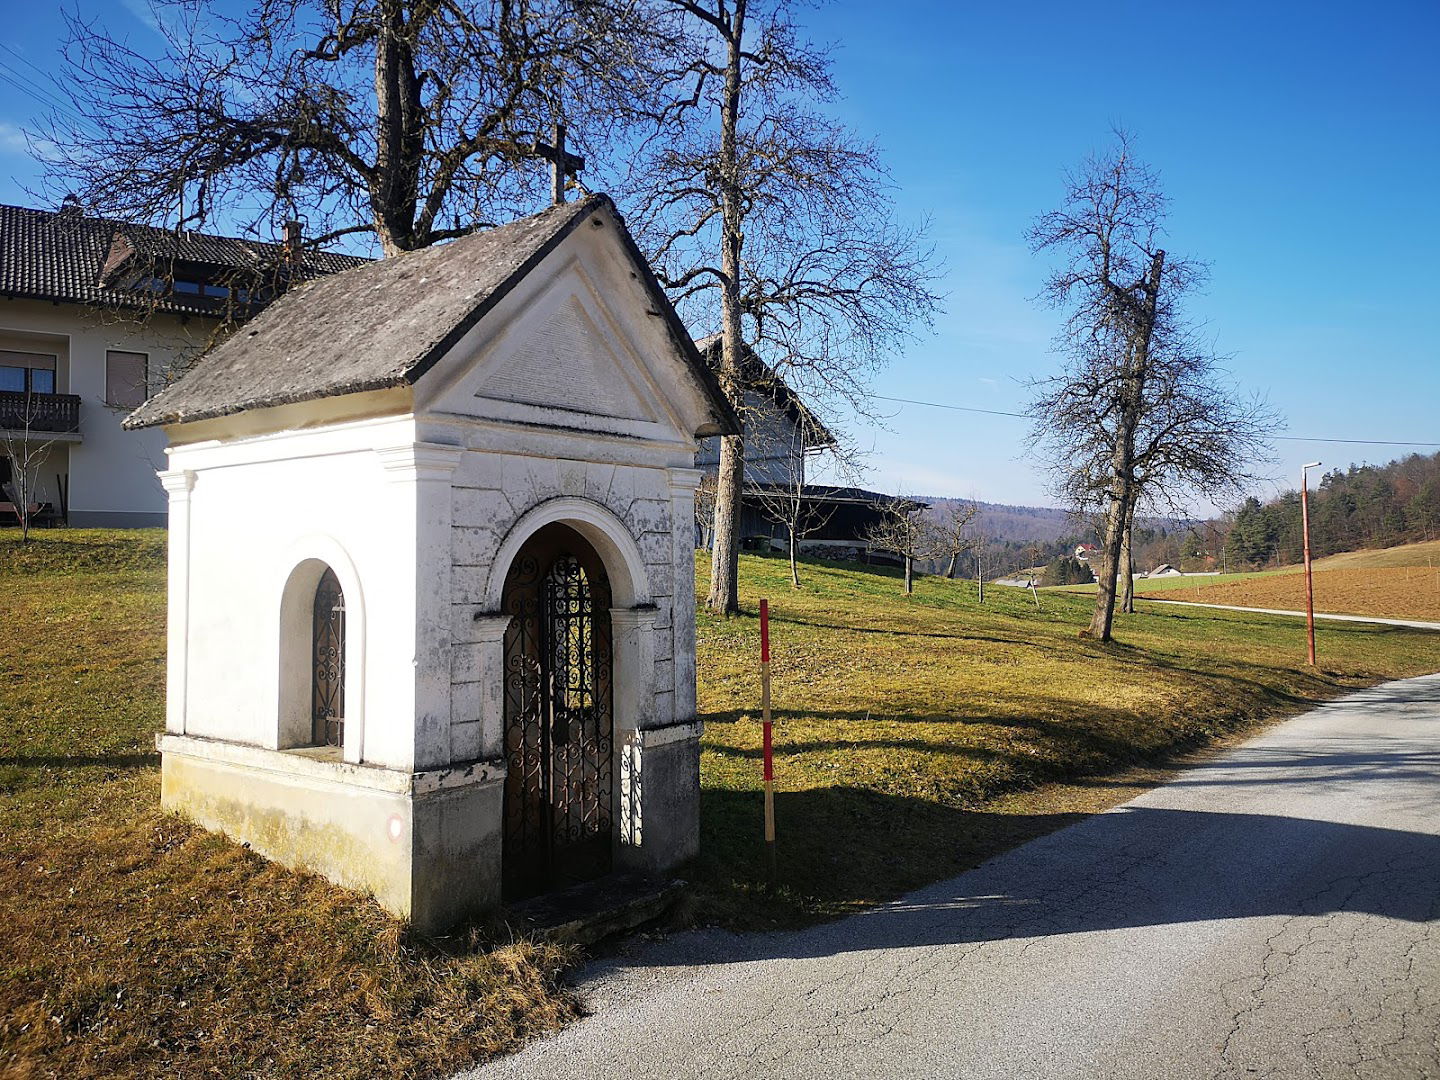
x=15 y=143
x=142 y=10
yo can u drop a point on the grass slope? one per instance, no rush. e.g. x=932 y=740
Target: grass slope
x=1425 y=554
x=1400 y=592
x=136 y=945
x=912 y=736
x=905 y=718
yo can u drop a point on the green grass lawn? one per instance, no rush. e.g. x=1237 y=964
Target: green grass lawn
x=915 y=736
x=910 y=716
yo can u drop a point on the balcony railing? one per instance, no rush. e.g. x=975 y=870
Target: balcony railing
x=21 y=411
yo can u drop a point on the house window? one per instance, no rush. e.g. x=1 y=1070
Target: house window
x=327 y=680
x=22 y=373
x=126 y=378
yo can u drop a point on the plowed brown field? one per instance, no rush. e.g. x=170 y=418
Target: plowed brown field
x=1401 y=592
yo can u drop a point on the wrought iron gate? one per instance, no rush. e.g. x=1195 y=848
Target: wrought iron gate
x=328 y=655
x=558 y=726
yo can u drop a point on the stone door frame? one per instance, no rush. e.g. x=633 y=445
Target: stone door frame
x=632 y=642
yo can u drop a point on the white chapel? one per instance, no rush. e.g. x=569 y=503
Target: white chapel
x=431 y=613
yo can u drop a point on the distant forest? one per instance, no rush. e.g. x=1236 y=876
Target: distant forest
x=1021 y=537
x=1365 y=506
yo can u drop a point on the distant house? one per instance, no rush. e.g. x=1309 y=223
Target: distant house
x=95 y=317
x=781 y=435
x=1085 y=552
x=1165 y=570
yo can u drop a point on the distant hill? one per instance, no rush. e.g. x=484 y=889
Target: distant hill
x=1018 y=524
x=1364 y=506
x=1041 y=524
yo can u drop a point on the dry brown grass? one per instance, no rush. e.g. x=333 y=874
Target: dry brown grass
x=132 y=944
x=916 y=737
x=1400 y=592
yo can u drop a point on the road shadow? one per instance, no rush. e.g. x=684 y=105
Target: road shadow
x=1133 y=867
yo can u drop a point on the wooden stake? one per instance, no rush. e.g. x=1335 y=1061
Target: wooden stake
x=769 y=746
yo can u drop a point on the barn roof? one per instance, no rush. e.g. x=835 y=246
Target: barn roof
x=764 y=379
x=67 y=256
x=386 y=323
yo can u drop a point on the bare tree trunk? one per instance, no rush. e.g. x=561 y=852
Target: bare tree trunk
x=980 y=576
x=1122 y=462
x=1127 y=566
x=954 y=560
x=909 y=575
x=794 y=569
x=1104 y=616
x=724 y=596
x=400 y=126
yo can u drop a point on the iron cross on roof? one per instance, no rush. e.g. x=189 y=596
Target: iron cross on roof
x=562 y=163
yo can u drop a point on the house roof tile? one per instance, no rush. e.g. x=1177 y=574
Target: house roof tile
x=63 y=256
x=765 y=379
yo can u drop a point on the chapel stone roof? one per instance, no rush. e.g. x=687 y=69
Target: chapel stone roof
x=386 y=323
x=70 y=257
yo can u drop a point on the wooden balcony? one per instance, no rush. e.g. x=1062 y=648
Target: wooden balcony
x=40 y=413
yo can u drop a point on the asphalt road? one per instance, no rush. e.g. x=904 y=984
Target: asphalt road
x=1272 y=913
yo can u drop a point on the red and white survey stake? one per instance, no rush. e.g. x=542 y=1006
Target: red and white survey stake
x=769 y=755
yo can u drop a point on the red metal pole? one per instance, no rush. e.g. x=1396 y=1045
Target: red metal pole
x=769 y=755
x=1309 y=581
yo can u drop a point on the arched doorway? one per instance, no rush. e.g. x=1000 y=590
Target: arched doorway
x=559 y=784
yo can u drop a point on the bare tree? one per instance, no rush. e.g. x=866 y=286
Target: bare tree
x=1127 y=564
x=26 y=441
x=980 y=545
x=410 y=120
x=902 y=531
x=949 y=532
x=705 y=509
x=785 y=498
x=1140 y=409
x=769 y=220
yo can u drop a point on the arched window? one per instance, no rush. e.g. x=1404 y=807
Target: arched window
x=327 y=680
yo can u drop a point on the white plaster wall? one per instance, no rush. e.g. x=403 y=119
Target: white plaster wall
x=259 y=507
x=112 y=471
x=420 y=501
x=624 y=441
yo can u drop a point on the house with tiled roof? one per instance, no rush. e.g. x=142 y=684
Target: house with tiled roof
x=96 y=316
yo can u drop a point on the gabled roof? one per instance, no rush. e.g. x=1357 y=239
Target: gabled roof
x=388 y=322
x=831 y=493
x=763 y=379
x=64 y=255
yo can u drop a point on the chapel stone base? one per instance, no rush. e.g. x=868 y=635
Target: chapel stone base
x=425 y=845
x=660 y=799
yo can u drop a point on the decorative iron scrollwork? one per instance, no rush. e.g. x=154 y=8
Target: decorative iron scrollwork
x=328 y=654
x=558 y=737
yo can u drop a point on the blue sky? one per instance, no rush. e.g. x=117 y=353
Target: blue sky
x=1300 y=144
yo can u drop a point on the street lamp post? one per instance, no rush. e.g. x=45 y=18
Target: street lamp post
x=1309 y=580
